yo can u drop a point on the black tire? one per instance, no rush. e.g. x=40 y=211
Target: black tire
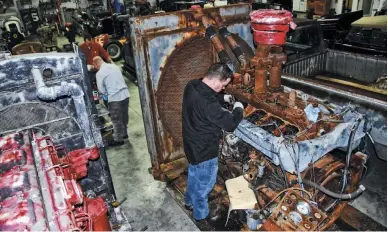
x=114 y=49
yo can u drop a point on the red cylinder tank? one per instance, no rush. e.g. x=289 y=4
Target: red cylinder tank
x=270 y=26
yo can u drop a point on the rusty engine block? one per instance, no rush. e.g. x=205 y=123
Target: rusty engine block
x=285 y=144
x=39 y=189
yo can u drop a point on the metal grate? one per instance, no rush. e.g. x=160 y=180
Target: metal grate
x=37 y=115
x=189 y=61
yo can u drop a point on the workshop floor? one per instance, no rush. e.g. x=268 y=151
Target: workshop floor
x=373 y=201
x=148 y=201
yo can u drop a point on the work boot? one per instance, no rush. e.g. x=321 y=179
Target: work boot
x=114 y=143
x=189 y=207
x=214 y=213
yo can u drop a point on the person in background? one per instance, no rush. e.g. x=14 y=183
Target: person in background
x=203 y=118
x=92 y=49
x=111 y=82
x=70 y=32
x=47 y=35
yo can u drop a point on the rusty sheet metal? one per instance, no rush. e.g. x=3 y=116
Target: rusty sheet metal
x=373 y=109
x=188 y=62
x=157 y=22
x=169 y=50
x=353 y=66
x=161 y=46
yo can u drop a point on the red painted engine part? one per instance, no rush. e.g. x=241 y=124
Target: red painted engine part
x=270 y=26
x=77 y=159
x=32 y=173
x=97 y=210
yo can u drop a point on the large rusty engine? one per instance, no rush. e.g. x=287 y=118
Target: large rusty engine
x=286 y=139
x=298 y=152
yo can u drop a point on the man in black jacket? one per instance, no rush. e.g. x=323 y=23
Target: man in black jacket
x=202 y=121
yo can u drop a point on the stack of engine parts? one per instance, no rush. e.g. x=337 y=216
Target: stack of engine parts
x=288 y=139
x=39 y=189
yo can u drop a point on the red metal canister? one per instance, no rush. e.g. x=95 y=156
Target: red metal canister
x=270 y=26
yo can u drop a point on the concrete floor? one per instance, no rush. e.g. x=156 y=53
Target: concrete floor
x=373 y=201
x=149 y=203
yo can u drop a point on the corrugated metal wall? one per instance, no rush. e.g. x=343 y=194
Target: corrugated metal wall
x=344 y=64
x=307 y=67
x=358 y=66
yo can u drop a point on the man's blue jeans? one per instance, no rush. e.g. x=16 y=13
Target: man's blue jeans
x=200 y=182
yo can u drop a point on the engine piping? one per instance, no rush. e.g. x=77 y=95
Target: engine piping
x=223 y=30
x=349 y=152
x=211 y=33
x=346 y=196
x=66 y=89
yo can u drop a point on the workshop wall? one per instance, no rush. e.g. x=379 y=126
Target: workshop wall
x=71 y=4
x=376 y=5
x=337 y=5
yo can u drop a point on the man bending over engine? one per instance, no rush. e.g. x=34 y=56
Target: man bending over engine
x=110 y=82
x=202 y=121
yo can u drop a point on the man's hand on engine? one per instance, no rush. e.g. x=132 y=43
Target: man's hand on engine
x=229 y=99
x=90 y=68
x=238 y=104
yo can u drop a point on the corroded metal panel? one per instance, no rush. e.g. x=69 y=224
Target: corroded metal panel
x=160 y=47
x=188 y=62
x=169 y=50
